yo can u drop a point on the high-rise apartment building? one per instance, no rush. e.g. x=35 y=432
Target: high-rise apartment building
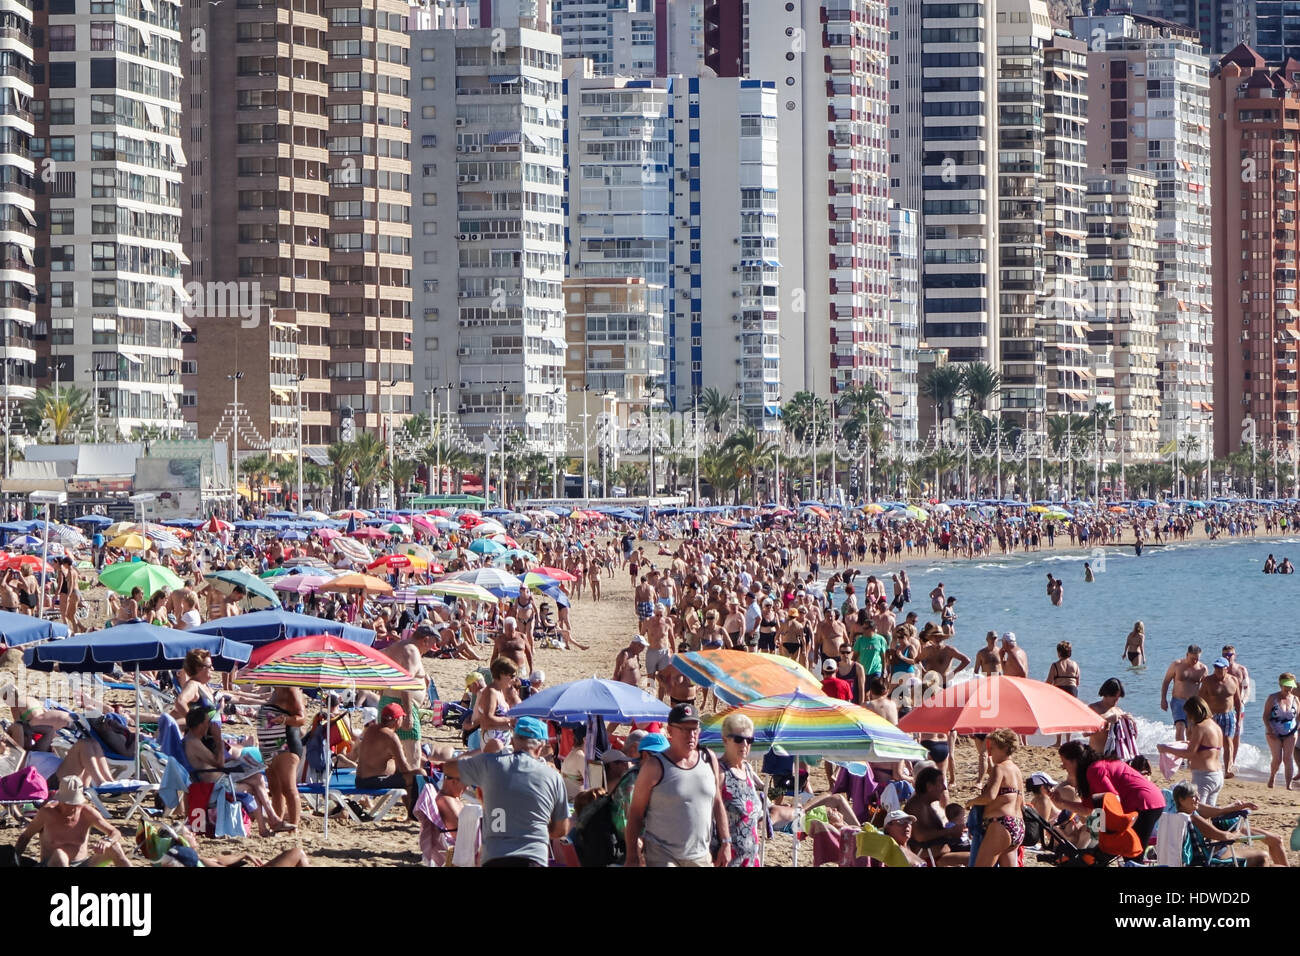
x=639 y=38
x=1256 y=289
x=1070 y=369
x=17 y=204
x=109 y=135
x=299 y=204
x=905 y=322
x=1148 y=90
x=960 y=274
x=1023 y=30
x=489 y=231
x=828 y=63
x=1122 y=221
x=1222 y=24
x=673 y=181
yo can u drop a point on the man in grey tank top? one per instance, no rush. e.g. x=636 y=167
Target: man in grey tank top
x=677 y=803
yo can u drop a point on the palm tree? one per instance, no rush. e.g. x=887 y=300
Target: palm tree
x=797 y=417
x=417 y=428
x=942 y=463
x=400 y=474
x=57 y=416
x=715 y=407
x=943 y=385
x=718 y=468
x=340 y=455
x=285 y=472
x=979 y=383
x=629 y=475
x=866 y=415
x=316 y=478
x=749 y=453
x=367 y=464
x=256 y=470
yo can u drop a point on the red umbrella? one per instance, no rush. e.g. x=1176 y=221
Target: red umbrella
x=23 y=562
x=215 y=525
x=986 y=704
x=558 y=573
x=375 y=534
x=332 y=655
x=391 y=561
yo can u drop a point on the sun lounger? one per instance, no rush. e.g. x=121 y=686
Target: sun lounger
x=343 y=788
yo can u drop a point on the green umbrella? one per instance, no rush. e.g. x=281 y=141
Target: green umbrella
x=258 y=593
x=273 y=573
x=149 y=578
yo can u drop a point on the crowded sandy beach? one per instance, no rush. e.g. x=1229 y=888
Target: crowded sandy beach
x=668 y=655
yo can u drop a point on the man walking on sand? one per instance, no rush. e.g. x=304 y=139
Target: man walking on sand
x=1186 y=674
x=627 y=666
x=1222 y=692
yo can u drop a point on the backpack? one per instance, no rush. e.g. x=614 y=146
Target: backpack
x=594 y=836
x=25 y=784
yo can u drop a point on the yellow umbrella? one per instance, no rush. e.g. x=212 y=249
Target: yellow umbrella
x=873 y=508
x=131 y=542
x=1038 y=509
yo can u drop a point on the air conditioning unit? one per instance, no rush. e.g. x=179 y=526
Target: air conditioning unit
x=737 y=338
x=463 y=294
x=582 y=217
x=475 y=236
x=473 y=177
x=737 y=361
x=462 y=352
x=462 y=236
x=735 y=268
x=462 y=179
x=460 y=121
x=735 y=293
x=735 y=317
x=475 y=148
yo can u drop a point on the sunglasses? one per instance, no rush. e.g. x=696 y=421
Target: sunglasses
x=737 y=738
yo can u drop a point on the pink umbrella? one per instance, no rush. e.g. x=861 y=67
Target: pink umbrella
x=215 y=525
x=327 y=534
x=299 y=583
x=375 y=534
x=424 y=523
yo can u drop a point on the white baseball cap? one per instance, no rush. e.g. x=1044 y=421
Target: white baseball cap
x=1008 y=637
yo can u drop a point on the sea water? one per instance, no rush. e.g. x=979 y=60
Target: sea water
x=1204 y=593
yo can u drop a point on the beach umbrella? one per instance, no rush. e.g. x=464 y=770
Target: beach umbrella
x=147 y=646
x=255 y=589
x=486 y=546
x=404 y=530
x=163 y=539
x=149 y=578
x=131 y=542
x=327 y=663
x=68 y=535
x=499 y=582
x=593 y=697
x=351 y=514
x=535 y=579
x=121 y=527
x=18 y=629
x=274 y=624
x=327 y=534
x=411 y=549
x=274 y=572
x=488 y=527
x=315 y=516
x=553 y=592
x=293 y=534
x=23 y=562
x=95 y=521
x=358 y=582
x=458 y=589
x=738 y=677
x=985 y=704
x=811 y=725
x=215 y=525
x=511 y=553
x=557 y=574
x=299 y=583
x=372 y=534
x=411 y=562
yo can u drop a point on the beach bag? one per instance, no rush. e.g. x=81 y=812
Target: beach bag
x=595 y=839
x=228 y=811
x=314 y=749
x=197 y=815
x=25 y=784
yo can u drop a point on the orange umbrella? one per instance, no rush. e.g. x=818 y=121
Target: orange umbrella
x=358 y=582
x=738 y=677
x=986 y=704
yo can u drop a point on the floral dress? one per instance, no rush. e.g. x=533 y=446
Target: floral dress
x=745 y=804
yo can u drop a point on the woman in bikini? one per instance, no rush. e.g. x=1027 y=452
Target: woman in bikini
x=1003 y=800
x=492 y=705
x=1280 y=721
x=1135 y=645
x=1064 y=672
x=1203 y=750
x=279 y=735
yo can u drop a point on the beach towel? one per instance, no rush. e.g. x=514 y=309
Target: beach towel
x=170 y=740
x=1171 y=839
x=1169 y=764
x=175 y=781
x=466 y=851
x=1121 y=739
x=880 y=846
x=229 y=812
x=860 y=790
x=434 y=841
x=25 y=784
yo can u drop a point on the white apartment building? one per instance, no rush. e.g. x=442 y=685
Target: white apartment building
x=17 y=203
x=638 y=38
x=488 y=231
x=673 y=182
x=904 y=320
x=828 y=63
x=1072 y=370
x=1149 y=104
x=1023 y=29
x=114 y=262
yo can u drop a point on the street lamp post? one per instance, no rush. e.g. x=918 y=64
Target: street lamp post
x=611 y=429
x=388 y=436
x=695 y=434
x=48 y=498
x=234 y=481
x=814 y=446
x=586 y=481
x=301 y=376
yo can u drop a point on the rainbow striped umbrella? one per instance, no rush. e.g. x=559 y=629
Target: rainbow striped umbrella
x=324 y=661
x=806 y=725
x=738 y=677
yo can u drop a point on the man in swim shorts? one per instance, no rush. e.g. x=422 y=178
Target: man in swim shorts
x=1222 y=692
x=1186 y=674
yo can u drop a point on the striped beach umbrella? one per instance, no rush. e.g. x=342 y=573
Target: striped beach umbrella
x=805 y=725
x=738 y=677
x=326 y=662
x=458 y=589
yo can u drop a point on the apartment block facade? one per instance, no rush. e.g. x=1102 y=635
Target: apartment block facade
x=18 y=233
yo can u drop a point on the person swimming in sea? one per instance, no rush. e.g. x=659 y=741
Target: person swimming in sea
x=1286 y=567
x=1135 y=645
x=1088 y=576
x=1270 y=566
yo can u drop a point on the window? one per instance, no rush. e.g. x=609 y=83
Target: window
x=426 y=54
x=62 y=258
x=63 y=38
x=102 y=35
x=103 y=73
x=103 y=256
x=428 y=112
x=63 y=112
x=431 y=228
x=189 y=367
x=63 y=75
x=61 y=222
x=426 y=82
x=63 y=148
x=430 y=199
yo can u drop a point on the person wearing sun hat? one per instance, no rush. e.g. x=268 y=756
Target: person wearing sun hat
x=524 y=802
x=64 y=825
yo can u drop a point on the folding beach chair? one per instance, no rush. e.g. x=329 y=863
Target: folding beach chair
x=343 y=791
